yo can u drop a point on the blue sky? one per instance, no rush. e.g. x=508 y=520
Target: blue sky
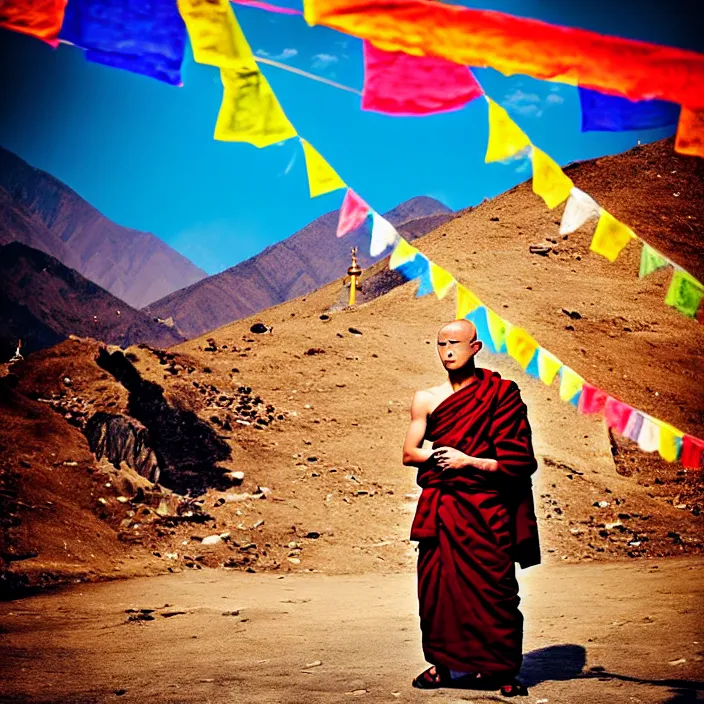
x=142 y=152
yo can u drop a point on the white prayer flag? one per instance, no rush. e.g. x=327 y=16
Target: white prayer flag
x=580 y=208
x=383 y=235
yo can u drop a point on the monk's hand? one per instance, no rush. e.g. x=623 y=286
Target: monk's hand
x=451 y=458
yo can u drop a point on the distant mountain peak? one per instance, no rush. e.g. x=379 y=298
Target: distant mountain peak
x=40 y=211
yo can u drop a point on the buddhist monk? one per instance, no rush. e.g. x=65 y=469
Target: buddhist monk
x=475 y=519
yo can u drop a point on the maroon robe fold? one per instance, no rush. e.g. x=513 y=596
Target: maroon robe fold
x=472 y=526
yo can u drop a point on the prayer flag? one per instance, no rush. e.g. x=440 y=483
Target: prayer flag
x=571 y=385
x=580 y=208
x=466 y=302
x=38 y=18
x=383 y=235
x=322 y=178
x=250 y=111
x=692 y=452
x=593 y=399
x=548 y=366
x=146 y=38
x=533 y=368
x=498 y=329
x=670 y=442
x=403 y=252
x=506 y=138
x=216 y=37
x=690 y=132
x=520 y=345
x=613 y=113
x=479 y=318
x=649 y=436
x=520 y=45
x=685 y=293
x=397 y=83
x=415 y=268
x=441 y=280
x=353 y=213
x=425 y=285
x=549 y=181
x=634 y=425
x=617 y=414
x=610 y=236
x=650 y=261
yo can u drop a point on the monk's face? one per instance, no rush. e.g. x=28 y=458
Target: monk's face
x=457 y=344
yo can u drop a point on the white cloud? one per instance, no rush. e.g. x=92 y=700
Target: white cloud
x=285 y=54
x=555 y=98
x=522 y=103
x=324 y=60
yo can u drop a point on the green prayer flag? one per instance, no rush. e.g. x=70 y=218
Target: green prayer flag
x=685 y=293
x=650 y=261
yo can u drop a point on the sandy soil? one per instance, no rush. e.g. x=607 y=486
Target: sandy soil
x=613 y=633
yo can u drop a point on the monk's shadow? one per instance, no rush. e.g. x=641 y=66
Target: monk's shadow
x=567 y=662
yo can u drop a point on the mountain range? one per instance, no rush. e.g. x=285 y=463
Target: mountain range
x=44 y=213
x=42 y=302
x=302 y=263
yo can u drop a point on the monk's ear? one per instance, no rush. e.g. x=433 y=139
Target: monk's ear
x=477 y=344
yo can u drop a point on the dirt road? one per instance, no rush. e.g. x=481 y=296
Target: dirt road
x=613 y=633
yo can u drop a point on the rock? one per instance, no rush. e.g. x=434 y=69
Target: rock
x=236 y=478
x=575 y=315
x=225 y=536
x=294 y=560
x=679 y=661
x=312 y=535
x=316 y=663
x=260 y=328
x=236 y=498
x=541 y=249
x=314 y=350
x=212 y=540
x=236 y=612
x=354 y=331
x=601 y=504
x=67 y=381
x=258 y=524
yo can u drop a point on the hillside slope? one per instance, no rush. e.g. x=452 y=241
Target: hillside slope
x=40 y=211
x=310 y=258
x=43 y=302
x=324 y=487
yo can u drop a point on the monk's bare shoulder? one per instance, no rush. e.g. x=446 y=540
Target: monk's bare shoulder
x=424 y=400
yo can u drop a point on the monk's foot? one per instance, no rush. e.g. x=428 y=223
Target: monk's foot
x=514 y=689
x=431 y=679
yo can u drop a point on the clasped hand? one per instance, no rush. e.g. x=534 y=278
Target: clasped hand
x=450 y=458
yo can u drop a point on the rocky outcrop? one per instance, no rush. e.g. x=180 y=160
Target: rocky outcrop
x=187 y=448
x=121 y=439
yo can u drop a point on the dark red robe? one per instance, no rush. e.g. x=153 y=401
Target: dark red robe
x=472 y=526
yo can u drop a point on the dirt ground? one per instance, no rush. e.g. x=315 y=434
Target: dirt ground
x=598 y=633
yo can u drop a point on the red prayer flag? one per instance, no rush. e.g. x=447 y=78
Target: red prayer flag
x=617 y=414
x=397 y=83
x=690 y=132
x=592 y=399
x=353 y=213
x=692 y=452
x=38 y=18
x=518 y=45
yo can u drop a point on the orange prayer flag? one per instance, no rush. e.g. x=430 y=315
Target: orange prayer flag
x=38 y=18
x=518 y=45
x=690 y=132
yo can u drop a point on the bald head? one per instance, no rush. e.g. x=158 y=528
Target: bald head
x=457 y=345
x=460 y=329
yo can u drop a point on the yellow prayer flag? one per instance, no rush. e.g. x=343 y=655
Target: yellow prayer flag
x=570 y=383
x=441 y=280
x=548 y=366
x=466 y=302
x=215 y=34
x=610 y=236
x=250 y=111
x=520 y=345
x=669 y=445
x=506 y=138
x=322 y=178
x=403 y=252
x=549 y=181
x=498 y=329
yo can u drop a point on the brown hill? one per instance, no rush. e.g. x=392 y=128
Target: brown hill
x=42 y=302
x=41 y=212
x=307 y=260
x=339 y=499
